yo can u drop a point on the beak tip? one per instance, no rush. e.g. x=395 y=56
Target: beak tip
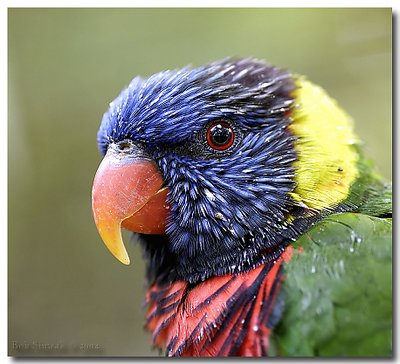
x=120 y=253
x=125 y=261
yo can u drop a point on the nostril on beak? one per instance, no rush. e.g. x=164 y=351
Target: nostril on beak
x=124 y=145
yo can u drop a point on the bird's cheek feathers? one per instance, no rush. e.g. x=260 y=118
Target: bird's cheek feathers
x=128 y=191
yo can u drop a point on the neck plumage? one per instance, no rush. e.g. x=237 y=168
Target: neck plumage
x=328 y=156
x=229 y=315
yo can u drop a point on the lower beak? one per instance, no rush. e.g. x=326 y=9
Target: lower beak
x=128 y=191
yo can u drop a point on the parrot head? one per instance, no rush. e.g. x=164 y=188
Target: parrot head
x=211 y=167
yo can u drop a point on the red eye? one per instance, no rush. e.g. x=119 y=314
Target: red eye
x=220 y=135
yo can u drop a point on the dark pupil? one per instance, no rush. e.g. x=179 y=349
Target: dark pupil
x=220 y=135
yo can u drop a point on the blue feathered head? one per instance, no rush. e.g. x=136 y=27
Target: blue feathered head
x=219 y=137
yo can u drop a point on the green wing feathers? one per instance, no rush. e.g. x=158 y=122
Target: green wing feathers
x=379 y=202
x=338 y=287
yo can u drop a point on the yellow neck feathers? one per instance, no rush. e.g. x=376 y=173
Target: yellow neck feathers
x=327 y=157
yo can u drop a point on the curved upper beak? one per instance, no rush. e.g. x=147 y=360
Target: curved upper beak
x=128 y=191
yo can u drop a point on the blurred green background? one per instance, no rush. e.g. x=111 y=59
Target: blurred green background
x=67 y=294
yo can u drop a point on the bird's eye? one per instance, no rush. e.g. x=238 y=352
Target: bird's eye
x=220 y=135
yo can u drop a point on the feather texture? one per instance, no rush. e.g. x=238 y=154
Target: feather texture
x=230 y=315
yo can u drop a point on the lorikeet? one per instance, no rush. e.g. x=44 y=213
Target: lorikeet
x=264 y=228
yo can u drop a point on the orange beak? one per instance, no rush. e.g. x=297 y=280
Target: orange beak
x=128 y=192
